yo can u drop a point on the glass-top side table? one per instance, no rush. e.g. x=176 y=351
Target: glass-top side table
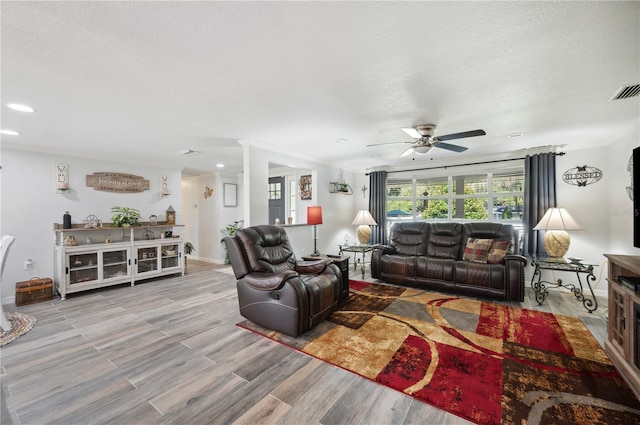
x=577 y=266
x=356 y=249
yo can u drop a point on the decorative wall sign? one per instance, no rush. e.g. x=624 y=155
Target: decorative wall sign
x=582 y=176
x=305 y=187
x=117 y=182
x=207 y=192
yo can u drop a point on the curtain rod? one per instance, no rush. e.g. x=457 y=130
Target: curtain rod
x=463 y=165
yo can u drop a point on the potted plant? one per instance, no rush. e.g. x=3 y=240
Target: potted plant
x=125 y=217
x=230 y=231
x=188 y=249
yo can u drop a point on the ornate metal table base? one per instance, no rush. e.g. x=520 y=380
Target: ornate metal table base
x=363 y=249
x=540 y=287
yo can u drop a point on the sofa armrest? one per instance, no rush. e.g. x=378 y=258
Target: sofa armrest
x=268 y=281
x=312 y=266
x=386 y=249
x=516 y=257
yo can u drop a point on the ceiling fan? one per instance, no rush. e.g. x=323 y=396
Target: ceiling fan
x=425 y=140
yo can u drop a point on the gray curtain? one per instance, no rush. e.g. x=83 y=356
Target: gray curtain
x=378 y=205
x=539 y=195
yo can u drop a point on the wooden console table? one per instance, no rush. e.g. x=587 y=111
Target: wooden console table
x=623 y=333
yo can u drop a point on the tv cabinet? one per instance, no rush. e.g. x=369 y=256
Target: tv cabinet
x=90 y=258
x=623 y=333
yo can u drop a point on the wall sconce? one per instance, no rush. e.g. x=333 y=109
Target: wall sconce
x=165 y=188
x=62 y=178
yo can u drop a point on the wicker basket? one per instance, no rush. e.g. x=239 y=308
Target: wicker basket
x=34 y=290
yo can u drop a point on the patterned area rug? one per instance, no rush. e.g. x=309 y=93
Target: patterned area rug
x=485 y=362
x=20 y=324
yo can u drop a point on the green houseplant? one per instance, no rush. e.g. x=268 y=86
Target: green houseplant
x=230 y=231
x=188 y=249
x=125 y=217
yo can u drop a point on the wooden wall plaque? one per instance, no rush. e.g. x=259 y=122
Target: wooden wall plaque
x=117 y=182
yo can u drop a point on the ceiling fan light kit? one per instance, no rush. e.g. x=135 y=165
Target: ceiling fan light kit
x=425 y=141
x=422 y=150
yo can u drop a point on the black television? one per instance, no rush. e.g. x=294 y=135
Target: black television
x=635 y=180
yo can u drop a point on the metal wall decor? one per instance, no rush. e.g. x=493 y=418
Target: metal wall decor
x=207 y=192
x=305 y=187
x=582 y=175
x=117 y=182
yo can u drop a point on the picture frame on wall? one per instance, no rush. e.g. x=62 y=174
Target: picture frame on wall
x=230 y=194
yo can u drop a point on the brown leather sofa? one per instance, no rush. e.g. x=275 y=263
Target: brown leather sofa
x=439 y=256
x=274 y=289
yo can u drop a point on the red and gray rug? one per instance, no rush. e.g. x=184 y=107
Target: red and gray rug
x=20 y=324
x=485 y=362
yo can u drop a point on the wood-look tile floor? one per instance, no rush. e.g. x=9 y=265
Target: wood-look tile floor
x=167 y=351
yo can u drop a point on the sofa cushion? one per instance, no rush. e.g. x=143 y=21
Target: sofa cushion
x=445 y=241
x=477 y=250
x=497 y=251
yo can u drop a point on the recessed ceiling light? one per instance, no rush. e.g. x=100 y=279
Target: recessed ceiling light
x=21 y=108
x=10 y=132
x=514 y=135
x=341 y=141
x=220 y=165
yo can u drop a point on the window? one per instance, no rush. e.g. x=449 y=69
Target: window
x=275 y=190
x=497 y=196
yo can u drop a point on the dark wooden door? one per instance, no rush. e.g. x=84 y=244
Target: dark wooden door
x=276 y=199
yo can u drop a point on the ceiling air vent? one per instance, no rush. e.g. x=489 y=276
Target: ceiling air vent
x=627 y=92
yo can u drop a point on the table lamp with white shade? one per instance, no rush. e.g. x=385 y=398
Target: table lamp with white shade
x=363 y=220
x=556 y=222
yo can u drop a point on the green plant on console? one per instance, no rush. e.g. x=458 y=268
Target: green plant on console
x=125 y=217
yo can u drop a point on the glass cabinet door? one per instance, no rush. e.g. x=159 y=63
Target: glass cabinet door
x=83 y=267
x=115 y=264
x=170 y=256
x=147 y=259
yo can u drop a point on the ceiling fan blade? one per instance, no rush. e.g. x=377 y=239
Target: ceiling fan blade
x=462 y=135
x=389 y=143
x=412 y=132
x=407 y=152
x=450 y=147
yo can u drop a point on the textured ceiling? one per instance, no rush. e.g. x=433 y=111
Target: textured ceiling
x=138 y=81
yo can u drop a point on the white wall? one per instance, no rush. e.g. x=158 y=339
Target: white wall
x=206 y=218
x=30 y=205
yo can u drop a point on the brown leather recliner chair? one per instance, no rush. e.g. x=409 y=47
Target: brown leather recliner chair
x=274 y=289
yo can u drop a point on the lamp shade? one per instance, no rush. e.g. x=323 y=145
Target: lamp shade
x=314 y=215
x=363 y=220
x=364 y=217
x=557 y=219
